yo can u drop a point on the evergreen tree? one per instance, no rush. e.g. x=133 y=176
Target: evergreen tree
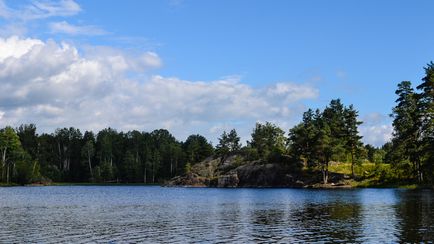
x=302 y=139
x=28 y=139
x=351 y=134
x=426 y=110
x=267 y=139
x=228 y=143
x=197 y=148
x=406 y=123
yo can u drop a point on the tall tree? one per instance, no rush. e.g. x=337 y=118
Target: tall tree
x=334 y=116
x=302 y=139
x=88 y=152
x=10 y=149
x=406 y=123
x=324 y=148
x=351 y=134
x=426 y=109
x=29 y=139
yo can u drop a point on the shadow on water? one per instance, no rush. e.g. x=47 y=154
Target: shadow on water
x=416 y=215
x=327 y=222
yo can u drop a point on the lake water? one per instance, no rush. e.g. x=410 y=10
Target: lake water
x=129 y=214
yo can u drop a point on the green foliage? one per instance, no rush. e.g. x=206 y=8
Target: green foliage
x=197 y=148
x=24 y=171
x=328 y=135
x=268 y=138
x=187 y=168
x=11 y=152
x=228 y=143
x=249 y=153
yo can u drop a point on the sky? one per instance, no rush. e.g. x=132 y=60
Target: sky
x=202 y=67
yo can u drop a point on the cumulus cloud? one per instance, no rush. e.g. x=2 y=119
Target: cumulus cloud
x=376 y=129
x=54 y=85
x=376 y=135
x=64 y=27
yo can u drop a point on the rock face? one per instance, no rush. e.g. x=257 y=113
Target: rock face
x=229 y=180
x=235 y=171
x=256 y=174
x=190 y=179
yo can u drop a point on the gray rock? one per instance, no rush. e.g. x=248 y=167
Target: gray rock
x=229 y=180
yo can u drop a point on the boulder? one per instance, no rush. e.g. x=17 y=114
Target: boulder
x=229 y=180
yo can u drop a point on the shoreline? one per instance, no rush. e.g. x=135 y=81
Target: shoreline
x=315 y=186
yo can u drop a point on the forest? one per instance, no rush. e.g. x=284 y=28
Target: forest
x=323 y=137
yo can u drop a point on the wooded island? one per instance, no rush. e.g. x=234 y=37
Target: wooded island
x=325 y=148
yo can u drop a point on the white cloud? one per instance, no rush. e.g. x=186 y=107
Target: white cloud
x=64 y=27
x=54 y=85
x=376 y=135
x=292 y=92
x=376 y=129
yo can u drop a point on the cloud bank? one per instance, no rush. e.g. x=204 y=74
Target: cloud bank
x=56 y=84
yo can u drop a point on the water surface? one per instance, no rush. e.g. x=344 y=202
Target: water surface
x=128 y=214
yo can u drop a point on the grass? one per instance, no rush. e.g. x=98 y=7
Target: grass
x=2 y=184
x=371 y=175
x=360 y=170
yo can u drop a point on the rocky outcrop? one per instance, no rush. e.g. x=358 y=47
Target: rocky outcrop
x=234 y=171
x=257 y=174
x=190 y=179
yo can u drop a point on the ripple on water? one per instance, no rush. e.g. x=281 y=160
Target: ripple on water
x=177 y=215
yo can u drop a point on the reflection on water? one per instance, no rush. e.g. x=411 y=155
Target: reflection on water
x=121 y=214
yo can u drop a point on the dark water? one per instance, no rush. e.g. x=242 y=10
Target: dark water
x=128 y=214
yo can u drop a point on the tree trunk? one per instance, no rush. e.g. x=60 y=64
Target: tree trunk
x=90 y=164
x=3 y=162
x=7 y=174
x=325 y=172
x=352 y=164
x=33 y=169
x=153 y=173
x=419 y=172
x=60 y=156
x=144 y=176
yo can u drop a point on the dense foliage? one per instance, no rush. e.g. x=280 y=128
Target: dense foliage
x=322 y=137
x=67 y=155
x=327 y=135
x=411 y=150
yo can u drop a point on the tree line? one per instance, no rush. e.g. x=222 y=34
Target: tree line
x=68 y=155
x=322 y=137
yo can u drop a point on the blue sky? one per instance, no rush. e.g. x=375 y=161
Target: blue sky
x=208 y=66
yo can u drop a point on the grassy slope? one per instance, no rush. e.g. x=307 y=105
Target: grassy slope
x=372 y=175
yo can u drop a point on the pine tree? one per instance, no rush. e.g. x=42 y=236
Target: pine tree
x=426 y=110
x=351 y=134
x=406 y=123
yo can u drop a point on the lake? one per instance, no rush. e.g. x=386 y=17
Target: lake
x=129 y=214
